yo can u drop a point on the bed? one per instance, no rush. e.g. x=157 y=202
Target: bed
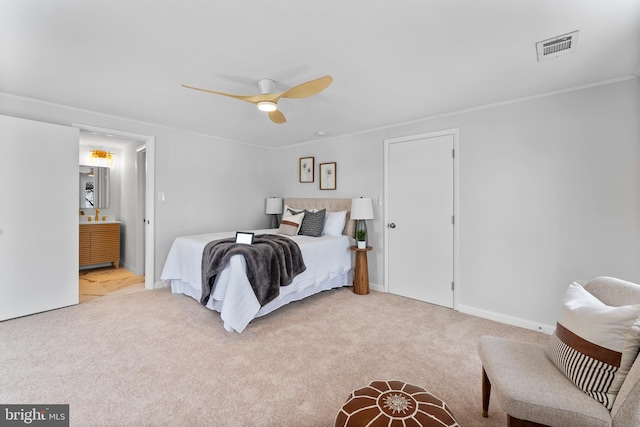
x=327 y=258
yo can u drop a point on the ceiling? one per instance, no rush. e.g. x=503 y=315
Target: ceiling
x=391 y=61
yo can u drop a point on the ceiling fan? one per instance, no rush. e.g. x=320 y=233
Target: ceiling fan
x=268 y=101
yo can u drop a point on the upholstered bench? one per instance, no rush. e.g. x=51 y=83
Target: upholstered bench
x=568 y=381
x=385 y=403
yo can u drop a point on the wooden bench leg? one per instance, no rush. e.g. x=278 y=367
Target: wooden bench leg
x=486 y=393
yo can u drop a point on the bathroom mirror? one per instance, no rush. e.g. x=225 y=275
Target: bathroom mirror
x=94 y=187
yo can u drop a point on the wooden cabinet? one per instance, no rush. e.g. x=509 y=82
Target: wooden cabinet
x=100 y=243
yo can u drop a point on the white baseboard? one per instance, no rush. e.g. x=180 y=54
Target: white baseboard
x=376 y=287
x=130 y=268
x=509 y=320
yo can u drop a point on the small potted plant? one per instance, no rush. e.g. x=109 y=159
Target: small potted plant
x=361 y=237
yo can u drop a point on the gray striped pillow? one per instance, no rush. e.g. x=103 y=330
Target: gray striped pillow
x=594 y=344
x=313 y=223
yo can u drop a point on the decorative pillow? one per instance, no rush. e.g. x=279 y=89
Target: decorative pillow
x=288 y=208
x=313 y=223
x=290 y=223
x=594 y=344
x=334 y=223
x=294 y=210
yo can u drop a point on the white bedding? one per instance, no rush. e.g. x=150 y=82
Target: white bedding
x=327 y=258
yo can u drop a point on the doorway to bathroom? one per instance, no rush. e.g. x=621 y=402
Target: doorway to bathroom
x=130 y=207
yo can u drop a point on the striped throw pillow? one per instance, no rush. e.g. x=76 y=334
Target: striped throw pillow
x=290 y=223
x=594 y=344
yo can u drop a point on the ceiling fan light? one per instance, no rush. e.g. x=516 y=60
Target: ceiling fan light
x=267 y=106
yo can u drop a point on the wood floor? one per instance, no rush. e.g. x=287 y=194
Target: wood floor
x=104 y=281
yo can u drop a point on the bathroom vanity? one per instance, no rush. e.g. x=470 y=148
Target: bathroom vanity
x=100 y=243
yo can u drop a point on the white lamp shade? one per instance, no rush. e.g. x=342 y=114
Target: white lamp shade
x=274 y=205
x=361 y=208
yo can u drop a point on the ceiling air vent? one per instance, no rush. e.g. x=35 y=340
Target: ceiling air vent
x=557 y=46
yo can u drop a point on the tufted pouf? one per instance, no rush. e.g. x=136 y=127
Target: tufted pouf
x=394 y=403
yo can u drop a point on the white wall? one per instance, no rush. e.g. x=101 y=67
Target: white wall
x=549 y=193
x=359 y=174
x=210 y=184
x=549 y=190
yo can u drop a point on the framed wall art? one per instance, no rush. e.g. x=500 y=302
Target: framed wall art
x=328 y=178
x=306 y=169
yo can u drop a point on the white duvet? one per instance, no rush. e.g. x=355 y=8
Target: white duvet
x=328 y=260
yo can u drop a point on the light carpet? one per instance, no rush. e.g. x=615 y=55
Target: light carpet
x=154 y=358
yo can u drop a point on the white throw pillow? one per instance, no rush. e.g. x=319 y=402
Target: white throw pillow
x=290 y=223
x=334 y=223
x=594 y=344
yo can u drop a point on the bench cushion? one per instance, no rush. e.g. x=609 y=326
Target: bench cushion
x=530 y=387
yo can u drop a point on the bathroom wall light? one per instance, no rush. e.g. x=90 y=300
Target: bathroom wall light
x=96 y=156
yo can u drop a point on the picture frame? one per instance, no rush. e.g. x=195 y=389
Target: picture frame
x=306 y=172
x=328 y=176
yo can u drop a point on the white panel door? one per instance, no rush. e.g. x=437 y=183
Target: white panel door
x=420 y=204
x=38 y=217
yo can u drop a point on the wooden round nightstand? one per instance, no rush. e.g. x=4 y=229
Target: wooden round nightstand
x=361 y=276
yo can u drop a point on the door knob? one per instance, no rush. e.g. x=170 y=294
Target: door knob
x=392 y=225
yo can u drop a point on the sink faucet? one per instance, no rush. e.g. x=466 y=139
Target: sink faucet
x=97 y=213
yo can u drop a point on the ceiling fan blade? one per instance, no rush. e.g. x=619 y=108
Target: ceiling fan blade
x=254 y=99
x=277 y=117
x=309 y=88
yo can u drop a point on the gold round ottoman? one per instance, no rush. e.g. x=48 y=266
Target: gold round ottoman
x=394 y=403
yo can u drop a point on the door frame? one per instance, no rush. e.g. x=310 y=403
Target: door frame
x=456 y=203
x=141 y=174
x=150 y=144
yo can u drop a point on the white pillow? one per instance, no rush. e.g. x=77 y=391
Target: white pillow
x=334 y=223
x=290 y=223
x=594 y=344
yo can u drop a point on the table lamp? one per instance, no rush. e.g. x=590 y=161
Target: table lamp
x=362 y=210
x=274 y=208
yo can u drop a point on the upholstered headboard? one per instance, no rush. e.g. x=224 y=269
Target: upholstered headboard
x=331 y=205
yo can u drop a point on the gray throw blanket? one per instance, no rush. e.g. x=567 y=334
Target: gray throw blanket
x=272 y=261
